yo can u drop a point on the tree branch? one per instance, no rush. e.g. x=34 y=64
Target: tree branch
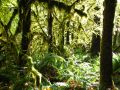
x=61 y=5
x=7 y=27
x=11 y=19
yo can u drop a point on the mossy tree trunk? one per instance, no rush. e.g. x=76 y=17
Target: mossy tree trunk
x=106 y=45
x=25 y=23
x=24 y=11
x=62 y=38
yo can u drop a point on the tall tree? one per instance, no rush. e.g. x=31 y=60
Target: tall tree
x=50 y=20
x=106 y=45
x=25 y=23
x=95 y=43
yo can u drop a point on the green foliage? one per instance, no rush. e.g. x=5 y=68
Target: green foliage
x=51 y=65
x=116 y=63
x=77 y=70
x=66 y=52
x=116 y=68
x=84 y=73
x=54 y=60
x=72 y=64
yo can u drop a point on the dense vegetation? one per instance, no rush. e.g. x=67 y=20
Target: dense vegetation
x=59 y=45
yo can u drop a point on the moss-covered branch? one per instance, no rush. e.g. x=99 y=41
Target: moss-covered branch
x=61 y=5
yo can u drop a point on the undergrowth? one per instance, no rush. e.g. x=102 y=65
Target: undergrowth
x=78 y=71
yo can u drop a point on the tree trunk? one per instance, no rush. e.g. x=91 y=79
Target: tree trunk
x=50 y=20
x=106 y=45
x=62 y=38
x=25 y=23
x=95 y=46
x=68 y=37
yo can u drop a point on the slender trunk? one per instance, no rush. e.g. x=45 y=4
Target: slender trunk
x=50 y=20
x=62 y=39
x=106 y=46
x=68 y=34
x=68 y=38
x=26 y=30
x=95 y=46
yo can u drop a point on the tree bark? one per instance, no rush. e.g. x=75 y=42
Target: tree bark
x=95 y=46
x=50 y=20
x=25 y=23
x=106 y=45
x=95 y=43
x=68 y=34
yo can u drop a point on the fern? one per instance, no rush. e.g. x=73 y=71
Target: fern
x=54 y=60
x=51 y=66
x=116 y=63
